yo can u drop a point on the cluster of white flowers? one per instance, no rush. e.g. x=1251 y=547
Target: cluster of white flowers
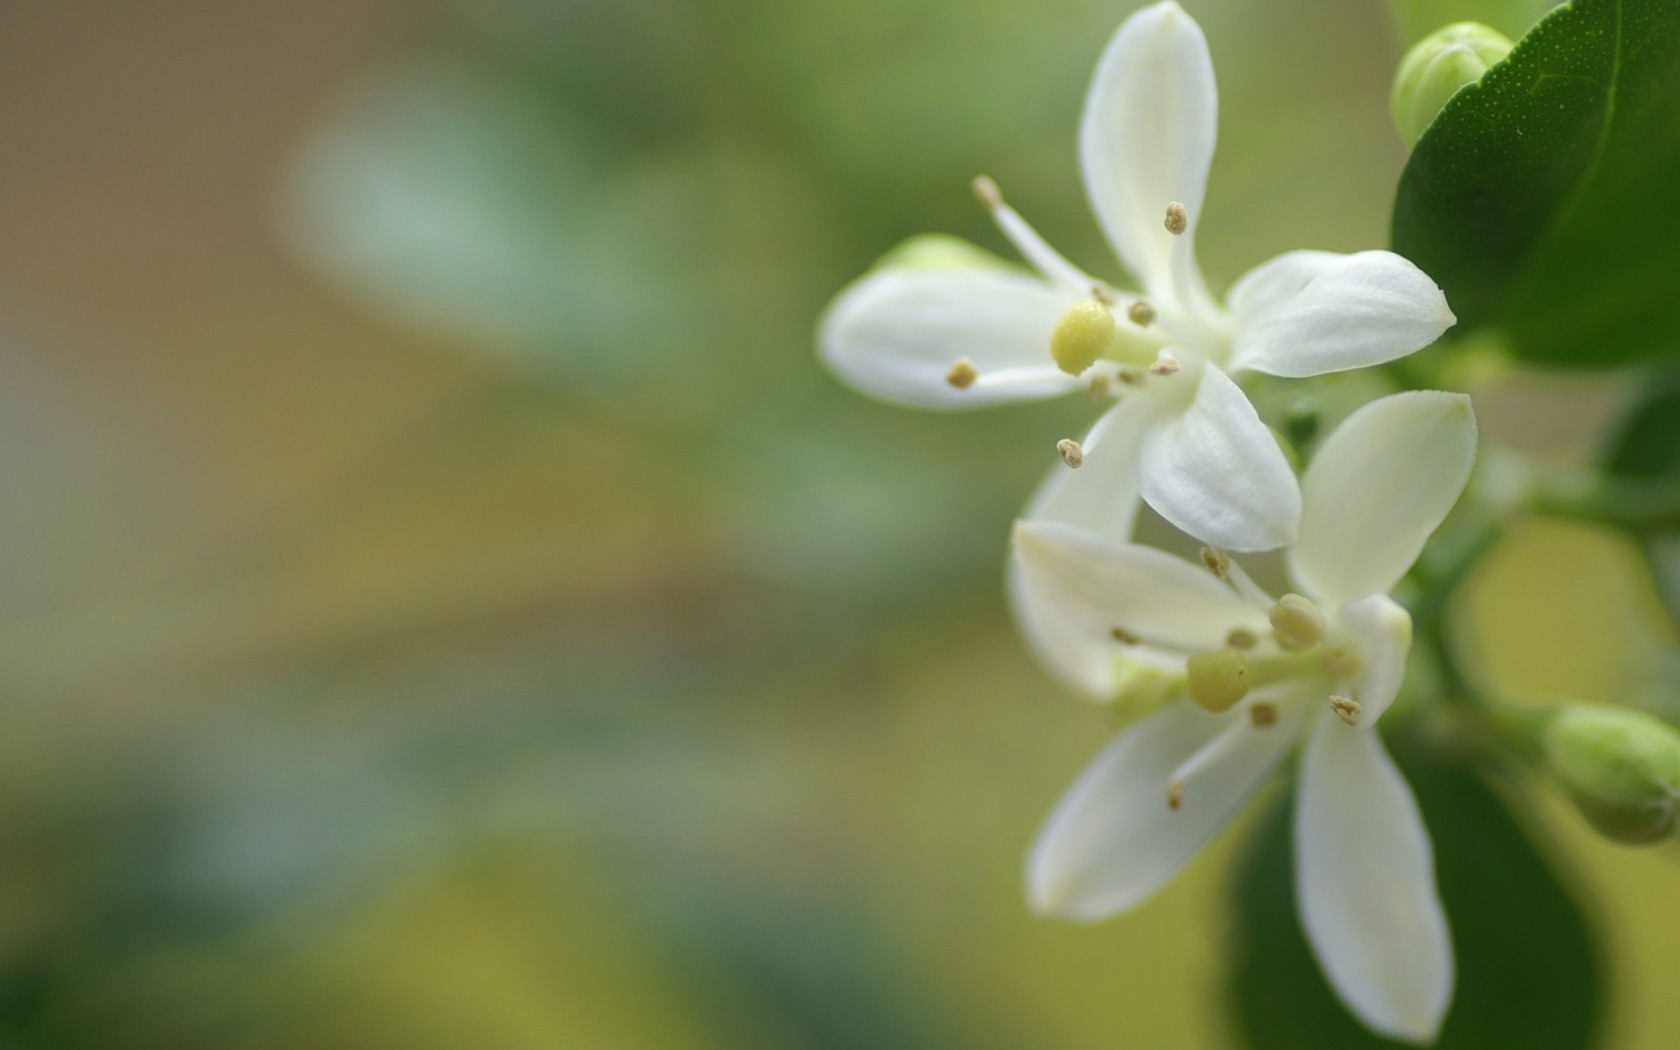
x=1242 y=676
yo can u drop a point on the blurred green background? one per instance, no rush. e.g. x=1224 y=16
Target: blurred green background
x=446 y=605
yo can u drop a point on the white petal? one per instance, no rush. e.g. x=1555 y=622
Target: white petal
x=1217 y=473
x=1112 y=840
x=1307 y=313
x=895 y=334
x=1365 y=885
x=1101 y=496
x=1079 y=586
x=1377 y=488
x=1147 y=136
x=1382 y=631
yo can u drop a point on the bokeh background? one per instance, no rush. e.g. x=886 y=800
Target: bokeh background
x=444 y=604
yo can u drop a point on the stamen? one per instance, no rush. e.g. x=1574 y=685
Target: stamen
x=1165 y=364
x=1130 y=376
x=1081 y=335
x=1071 y=453
x=1216 y=561
x=1045 y=259
x=1346 y=708
x=1098 y=387
x=1341 y=663
x=1263 y=715
x=1178 y=219
x=1123 y=636
x=1250 y=590
x=1241 y=638
x=1175 y=794
x=1218 y=679
x=1210 y=755
x=962 y=374
x=1104 y=293
x=1297 y=624
x=1140 y=313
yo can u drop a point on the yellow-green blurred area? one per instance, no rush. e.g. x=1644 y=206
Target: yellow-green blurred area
x=445 y=604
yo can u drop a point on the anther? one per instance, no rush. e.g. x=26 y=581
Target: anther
x=1241 y=638
x=1130 y=376
x=1097 y=388
x=1346 y=708
x=1070 y=452
x=1165 y=364
x=1178 y=220
x=1216 y=561
x=1081 y=335
x=962 y=374
x=1218 y=679
x=1123 y=636
x=1104 y=293
x=986 y=192
x=1263 y=715
x=1297 y=623
x=1175 y=794
x=1140 y=313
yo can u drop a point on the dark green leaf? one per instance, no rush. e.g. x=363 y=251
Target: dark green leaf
x=1543 y=198
x=1525 y=958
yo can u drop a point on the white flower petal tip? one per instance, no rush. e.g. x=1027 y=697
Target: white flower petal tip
x=1365 y=886
x=1380 y=484
x=1147 y=137
x=1217 y=473
x=1307 y=313
x=945 y=338
x=1115 y=838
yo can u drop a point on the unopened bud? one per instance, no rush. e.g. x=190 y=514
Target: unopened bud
x=1081 y=336
x=1218 y=679
x=1620 y=767
x=1440 y=64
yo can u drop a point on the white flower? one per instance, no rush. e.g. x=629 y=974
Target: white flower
x=1257 y=674
x=966 y=336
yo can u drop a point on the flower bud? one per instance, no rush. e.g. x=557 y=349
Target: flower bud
x=938 y=251
x=1620 y=767
x=1434 y=70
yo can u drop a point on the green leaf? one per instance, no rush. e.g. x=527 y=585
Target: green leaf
x=1543 y=199
x=1526 y=975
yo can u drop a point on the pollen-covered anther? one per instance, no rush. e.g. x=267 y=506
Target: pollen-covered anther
x=962 y=374
x=1217 y=680
x=1098 y=387
x=1241 y=638
x=1081 y=335
x=1130 y=375
x=1217 y=562
x=1178 y=219
x=1071 y=453
x=1346 y=708
x=1123 y=636
x=1340 y=662
x=1104 y=293
x=1141 y=314
x=1263 y=715
x=1165 y=364
x=986 y=192
x=1297 y=623
x=1175 y=794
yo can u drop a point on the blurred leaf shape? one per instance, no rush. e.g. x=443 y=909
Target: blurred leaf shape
x=1540 y=197
x=1527 y=972
x=451 y=199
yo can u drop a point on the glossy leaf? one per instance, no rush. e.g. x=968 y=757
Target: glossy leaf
x=1539 y=197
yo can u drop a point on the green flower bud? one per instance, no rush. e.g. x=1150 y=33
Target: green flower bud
x=1620 y=767
x=939 y=251
x=1440 y=64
